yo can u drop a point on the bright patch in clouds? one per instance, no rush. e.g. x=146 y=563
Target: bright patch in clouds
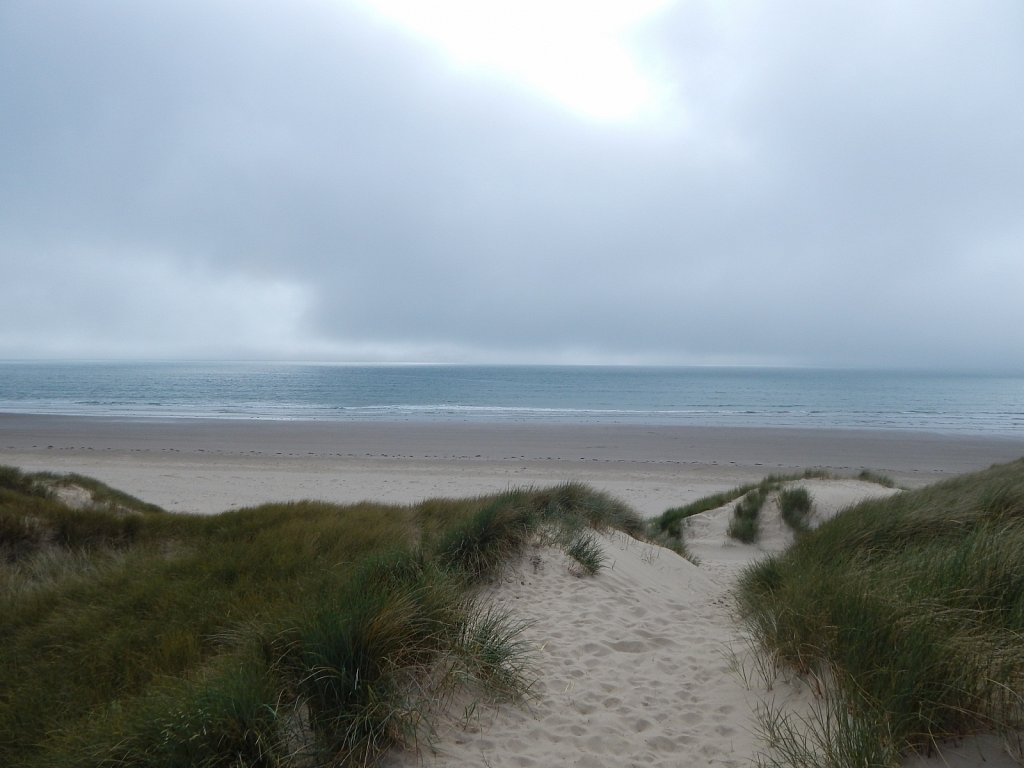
x=582 y=54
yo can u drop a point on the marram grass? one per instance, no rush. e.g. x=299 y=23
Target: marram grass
x=745 y=525
x=668 y=529
x=299 y=634
x=910 y=611
x=585 y=550
x=795 y=508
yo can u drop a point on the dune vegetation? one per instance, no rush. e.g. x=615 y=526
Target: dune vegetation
x=290 y=634
x=316 y=634
x=668 y=529
x=745 y=525
x=795 y=505
x=906 y=615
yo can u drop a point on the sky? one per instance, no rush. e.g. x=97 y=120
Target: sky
x=557 y=181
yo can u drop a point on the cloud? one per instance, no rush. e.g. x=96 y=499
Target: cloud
x=159 y=307
x=580 y=54
x=835 y=185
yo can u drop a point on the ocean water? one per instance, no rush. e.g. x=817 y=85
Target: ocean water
x=968 y=403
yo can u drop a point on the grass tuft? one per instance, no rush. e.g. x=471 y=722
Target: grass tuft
x=744 y=525
x=586 y=551
x=494 y=653
x=795 y=507
x=480 y=545
x=14 y=480
x=870 y=476
x=910 y=611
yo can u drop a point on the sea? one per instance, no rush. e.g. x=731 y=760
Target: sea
x=930 y=401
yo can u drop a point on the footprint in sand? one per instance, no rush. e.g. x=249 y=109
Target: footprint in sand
x=692 y=718
x=641 y=725
x=628 y=646
x=594 y=649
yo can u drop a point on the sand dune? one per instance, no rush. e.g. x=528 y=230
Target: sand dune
x=644 y=663
x=636 y=666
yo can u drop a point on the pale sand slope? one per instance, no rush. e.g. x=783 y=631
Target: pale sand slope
x=631 y=668
x=638 y=666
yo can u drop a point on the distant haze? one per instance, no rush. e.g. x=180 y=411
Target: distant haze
x=791 y=183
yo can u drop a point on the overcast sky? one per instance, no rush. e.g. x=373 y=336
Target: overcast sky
x=792 y=182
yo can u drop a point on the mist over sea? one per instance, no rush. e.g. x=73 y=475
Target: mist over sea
x=952 y=402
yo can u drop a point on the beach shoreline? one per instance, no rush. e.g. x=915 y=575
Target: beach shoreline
x=210 y=465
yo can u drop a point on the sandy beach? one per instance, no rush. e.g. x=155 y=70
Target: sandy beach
x=207 y=466
x=642 y=665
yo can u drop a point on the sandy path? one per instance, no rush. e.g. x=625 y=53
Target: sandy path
x=633 y=670
x=638 y=665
